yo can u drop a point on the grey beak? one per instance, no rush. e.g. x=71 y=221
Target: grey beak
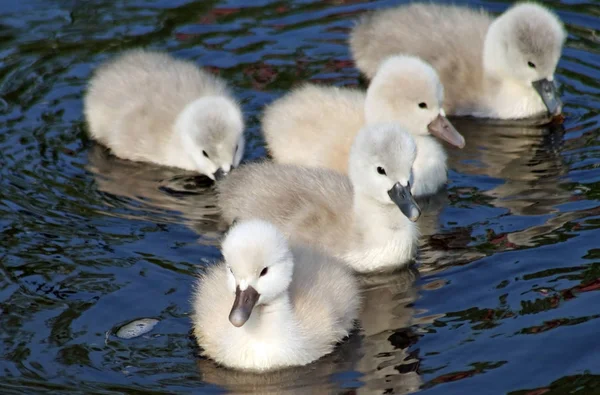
x=404 y=200
x=441 y=128
x=549 y=94
x=220 y=173
x=243 y=305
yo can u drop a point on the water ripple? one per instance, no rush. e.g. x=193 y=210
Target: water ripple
x=508 y=268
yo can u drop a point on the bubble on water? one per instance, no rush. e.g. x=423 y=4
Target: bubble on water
x=136 y=328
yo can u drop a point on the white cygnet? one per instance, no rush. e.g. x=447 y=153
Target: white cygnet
x=269 y=305
x=366 y=219
x=492 y=68
x=148 y=106
x=316 y=125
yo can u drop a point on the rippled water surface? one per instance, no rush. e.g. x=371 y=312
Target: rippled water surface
x=501 y=299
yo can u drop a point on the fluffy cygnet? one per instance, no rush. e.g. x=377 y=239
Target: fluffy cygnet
x=316 y=125
x=493 y=68
x=366 y=219
x=269 y=305
x=148 y=106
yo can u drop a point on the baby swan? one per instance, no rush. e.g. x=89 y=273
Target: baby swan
x=269 y=305
x=493 y=68
x=367 y=219
x=148 y=106
x=315 y=126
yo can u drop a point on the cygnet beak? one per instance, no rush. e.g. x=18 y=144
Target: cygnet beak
x=441 y=128
x=549 y=94
x=403 y=198
x=220 y=173
x=243 y=305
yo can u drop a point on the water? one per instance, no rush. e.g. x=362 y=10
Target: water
x=503 y=300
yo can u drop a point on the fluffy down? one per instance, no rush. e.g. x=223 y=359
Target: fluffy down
x=483 y=63
x=148 y=106
x=316 y=125
x=301 y=319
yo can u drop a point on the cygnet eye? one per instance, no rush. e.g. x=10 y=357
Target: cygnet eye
x=229 y=267
x=423 y=105
x=381 y=171
x=531 y=64
x=264 y=271
x=204 y=153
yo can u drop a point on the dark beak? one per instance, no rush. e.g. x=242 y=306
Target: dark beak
x=549 y=94
x=243 y=305
x=404 y=200
x=441 y=128
x=220 y=173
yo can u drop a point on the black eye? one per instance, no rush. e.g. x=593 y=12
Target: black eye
x=423 y=105
x=264 y=271
x=381 y=170
x=236 y=148
x=530 y=64
x=205 y=154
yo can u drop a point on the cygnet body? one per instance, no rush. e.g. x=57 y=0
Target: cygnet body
x=316 y=125
x=493 y=68
x=269 y=305
x=366 y=219
x=148 y=106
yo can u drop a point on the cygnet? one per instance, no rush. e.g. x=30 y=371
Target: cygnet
x=270 y=305
x=148 y=106
x=491 y=67
x=316 y=125
x=366 y=218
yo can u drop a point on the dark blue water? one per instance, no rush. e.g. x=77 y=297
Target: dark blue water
x=505 y=299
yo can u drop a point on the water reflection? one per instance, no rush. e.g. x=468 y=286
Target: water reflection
x=320 y=377
x=386 y=319
x=158 y=193
x=514 y=174
x=524 y=162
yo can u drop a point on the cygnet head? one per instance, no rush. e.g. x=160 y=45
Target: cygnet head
x=380 y=166
x=408 y=90
x=260 y=266
x=211 y=129
x=524 y=45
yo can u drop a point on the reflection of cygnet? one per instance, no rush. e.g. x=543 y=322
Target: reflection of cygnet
x=147 y=106
x=156 y=193
x=366 y=219
x=526 y=159
x=385 y=316
x=319 y=377
x=269 y=306
x=316 y=125
x=529 y=163
x=494 y=68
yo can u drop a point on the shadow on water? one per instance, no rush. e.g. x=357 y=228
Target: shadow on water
x=503 y=299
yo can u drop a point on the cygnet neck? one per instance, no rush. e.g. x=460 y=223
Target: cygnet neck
x=275 y=318
x=383 y=238
x=494 y=64
x=375 y=221
x=183 y=145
